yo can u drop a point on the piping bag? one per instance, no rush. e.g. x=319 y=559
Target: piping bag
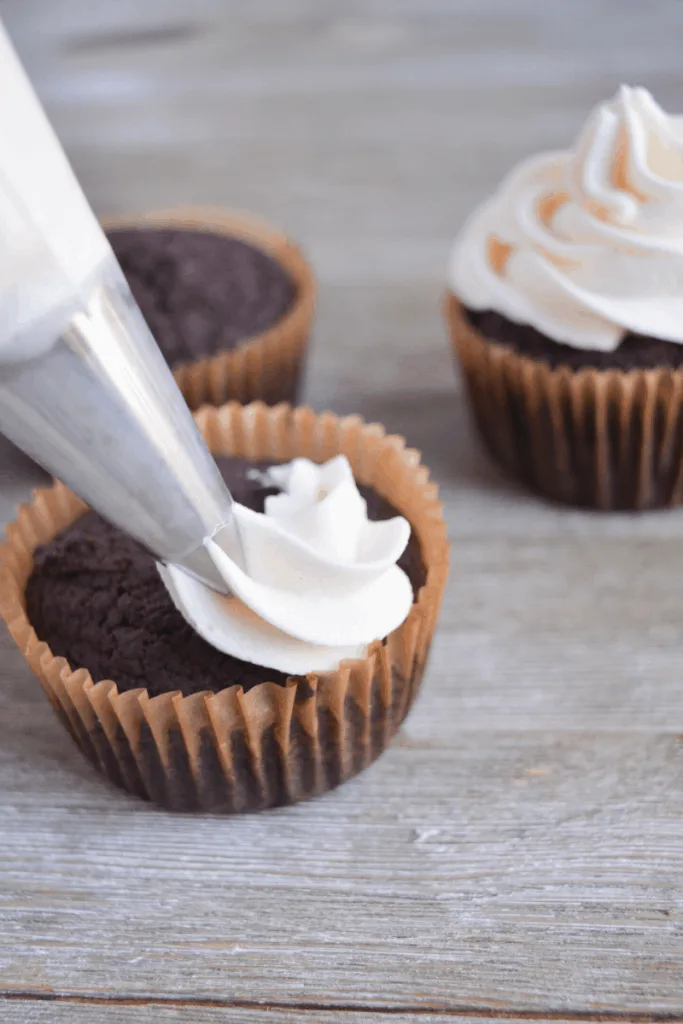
x=84 y=389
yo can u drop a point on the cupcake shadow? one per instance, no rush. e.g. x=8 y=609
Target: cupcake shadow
x=32 y=743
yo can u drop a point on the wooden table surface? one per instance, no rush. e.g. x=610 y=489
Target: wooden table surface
x=518 y=853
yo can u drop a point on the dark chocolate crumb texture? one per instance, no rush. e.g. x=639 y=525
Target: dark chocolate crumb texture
x=201 y=293
x=96 y=598
x=635 y=352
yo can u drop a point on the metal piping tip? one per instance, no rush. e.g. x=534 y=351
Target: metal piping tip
x=98 y=407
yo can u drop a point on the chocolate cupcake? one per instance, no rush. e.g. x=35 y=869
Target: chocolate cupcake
x=197 y=725
x=228 y=299
x=565 y=309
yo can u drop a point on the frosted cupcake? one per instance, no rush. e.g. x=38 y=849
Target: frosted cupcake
x=565 y=308
x=280 y=691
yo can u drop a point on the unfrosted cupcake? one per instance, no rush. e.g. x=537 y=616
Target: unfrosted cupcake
x=279 y=692
x=228 y=298
x=565 y=308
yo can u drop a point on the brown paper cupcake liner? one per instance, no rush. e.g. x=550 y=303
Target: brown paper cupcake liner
x=236 y=751
x=594 y=438
x=267 y=366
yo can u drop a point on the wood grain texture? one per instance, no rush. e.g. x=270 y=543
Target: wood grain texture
x=520 y=848
x=466 y=873
x=29 y=1012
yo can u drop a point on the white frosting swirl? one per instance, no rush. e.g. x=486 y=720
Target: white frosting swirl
x=586 y=245
x=321 y=580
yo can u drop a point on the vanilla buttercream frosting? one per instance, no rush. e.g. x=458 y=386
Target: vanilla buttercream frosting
x=586 y=245
x=316 y=581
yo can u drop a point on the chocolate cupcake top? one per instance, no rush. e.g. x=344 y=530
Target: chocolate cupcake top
x=585 y=246
x=200 y=292
x=98 y=600
x=636 y=351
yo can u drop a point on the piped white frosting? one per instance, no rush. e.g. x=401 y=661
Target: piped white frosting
x=320 y=580
x=586 y=245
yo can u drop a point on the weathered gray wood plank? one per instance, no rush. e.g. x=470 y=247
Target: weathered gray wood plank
x=528 y=871
x=520 y=847
x=29 y=1012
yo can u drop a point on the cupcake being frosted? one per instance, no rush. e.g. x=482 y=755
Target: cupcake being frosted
x=565 y=306
x=281 y=689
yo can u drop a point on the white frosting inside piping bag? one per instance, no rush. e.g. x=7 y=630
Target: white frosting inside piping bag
x=50 y=242
x=586 y=245
x=321 y=580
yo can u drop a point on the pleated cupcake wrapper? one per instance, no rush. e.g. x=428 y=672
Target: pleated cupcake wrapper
x=267 y=366
x=236 y=751
x=595 y=438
